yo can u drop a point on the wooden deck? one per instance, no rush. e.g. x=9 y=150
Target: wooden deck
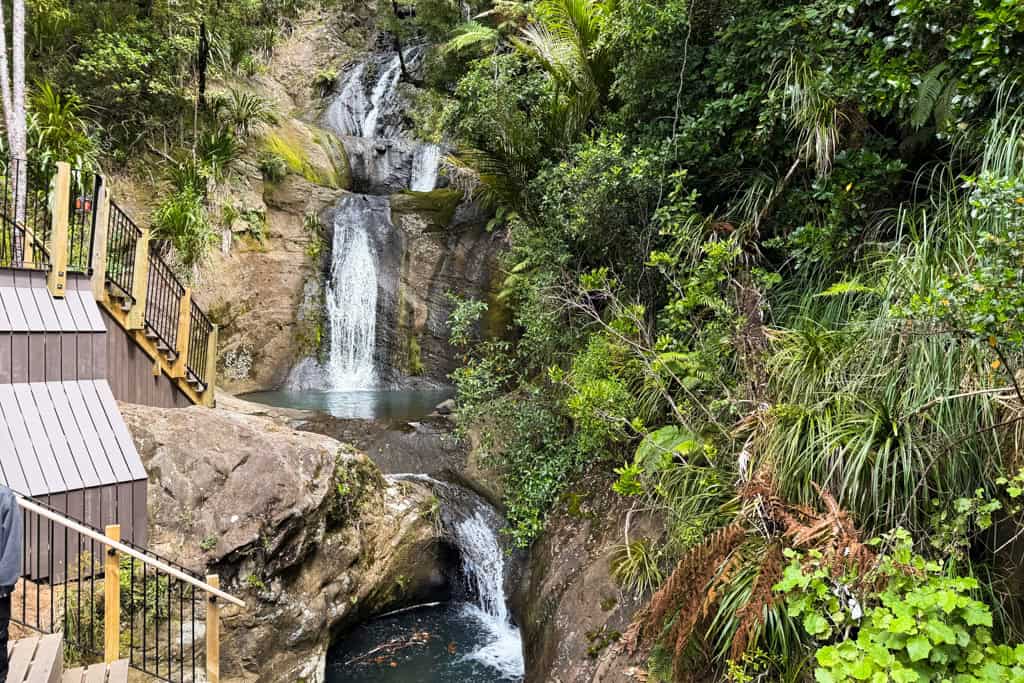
x=40 y=659
x=36 y=659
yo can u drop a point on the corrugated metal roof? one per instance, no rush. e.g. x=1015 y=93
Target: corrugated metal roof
x=64 y=436
x=32 y=309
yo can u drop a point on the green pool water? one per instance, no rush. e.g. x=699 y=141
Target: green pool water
x=364 y=405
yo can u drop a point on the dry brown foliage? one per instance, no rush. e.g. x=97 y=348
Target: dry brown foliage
x=684 y=592
x=762 y=597
x=693 y=587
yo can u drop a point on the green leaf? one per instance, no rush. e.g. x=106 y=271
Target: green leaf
x=918 y=648
x=977 y=615
x=815 y=624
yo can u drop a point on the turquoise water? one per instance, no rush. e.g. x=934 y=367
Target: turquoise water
x=365 y=405
x=449 y=643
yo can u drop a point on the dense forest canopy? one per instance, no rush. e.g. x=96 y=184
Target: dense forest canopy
x=764 y=268
x=763 y=264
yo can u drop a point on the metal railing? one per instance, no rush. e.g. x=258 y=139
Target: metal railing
x=82 y=205
x=25 y=218
x=122 y=238
x=199 y=332
x=163 y=303
x=72 y=571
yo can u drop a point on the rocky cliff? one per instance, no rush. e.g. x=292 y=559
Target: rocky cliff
x=306 y=530
x=571 y=609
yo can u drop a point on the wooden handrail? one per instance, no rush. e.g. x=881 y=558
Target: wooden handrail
x=128 y=550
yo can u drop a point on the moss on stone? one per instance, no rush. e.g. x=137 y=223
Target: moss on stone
x=354 y=480
x=436 y=208
x=415 y=356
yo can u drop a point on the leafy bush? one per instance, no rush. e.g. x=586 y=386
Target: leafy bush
x=181 y=218
x=242 y=112
x=635 y=566
x=922 y=624
x=273 y=167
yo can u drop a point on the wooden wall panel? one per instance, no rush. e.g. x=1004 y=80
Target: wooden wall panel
x=129 y=371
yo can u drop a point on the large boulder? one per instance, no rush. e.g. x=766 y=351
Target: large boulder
x=307 y=531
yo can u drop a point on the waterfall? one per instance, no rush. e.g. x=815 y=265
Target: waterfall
x=425 y=164
x=366 y=113
x=473 y=527
x=352 y=294
x=353 y=112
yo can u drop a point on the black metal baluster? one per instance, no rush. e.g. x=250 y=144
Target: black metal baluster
x=145 y=610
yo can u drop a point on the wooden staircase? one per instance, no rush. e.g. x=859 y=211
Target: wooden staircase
x=40 y=659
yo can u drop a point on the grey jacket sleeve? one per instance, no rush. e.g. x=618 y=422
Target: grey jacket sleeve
x=10 y=541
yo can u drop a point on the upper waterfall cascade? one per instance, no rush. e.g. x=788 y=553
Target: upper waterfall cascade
x=365 y=113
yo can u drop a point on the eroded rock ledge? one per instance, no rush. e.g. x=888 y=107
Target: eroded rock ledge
x=302 y=527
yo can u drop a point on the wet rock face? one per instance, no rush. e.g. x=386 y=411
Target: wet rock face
x=417 y=267
x=413 y=341
x=571 y=609
x=379 y=166
x=304 y=529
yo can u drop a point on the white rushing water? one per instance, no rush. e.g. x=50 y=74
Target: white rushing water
x=425 y=163
x=354 y=111
x=352 y=297
x=473 y=526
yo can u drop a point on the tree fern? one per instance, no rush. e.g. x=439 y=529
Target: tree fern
x=471 y=34
x=929 y=93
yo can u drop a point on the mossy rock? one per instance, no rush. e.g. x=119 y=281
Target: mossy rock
x=436 y=208
x=316 y=155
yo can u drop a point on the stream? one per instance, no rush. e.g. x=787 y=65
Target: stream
x=472 y=638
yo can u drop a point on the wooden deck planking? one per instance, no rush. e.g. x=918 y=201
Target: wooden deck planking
x=21 y=658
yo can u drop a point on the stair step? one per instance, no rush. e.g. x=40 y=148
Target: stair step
x=36 y=659
x=99 y=673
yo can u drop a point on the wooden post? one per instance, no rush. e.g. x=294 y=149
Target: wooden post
x=57 y=278
x=140 y=283
x=212 y=632
x=211 y=368
x=184 y=328
x=112 y=599
x=99 y=255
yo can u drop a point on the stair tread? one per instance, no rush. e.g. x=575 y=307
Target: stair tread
x=35 y=659
x=117 y=672
x=48 y=660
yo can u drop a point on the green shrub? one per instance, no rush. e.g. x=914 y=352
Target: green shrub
x=242 y=112
x=273 y=167
x=921 y=624
x=181 y=219
x=635 y=566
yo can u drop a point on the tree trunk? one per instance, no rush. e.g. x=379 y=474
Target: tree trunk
x=204 y=54
x=12 y=83
x=398 y=43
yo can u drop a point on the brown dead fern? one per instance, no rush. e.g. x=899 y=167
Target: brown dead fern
x=683 y=592
x=762 y=597
x=693 y=588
